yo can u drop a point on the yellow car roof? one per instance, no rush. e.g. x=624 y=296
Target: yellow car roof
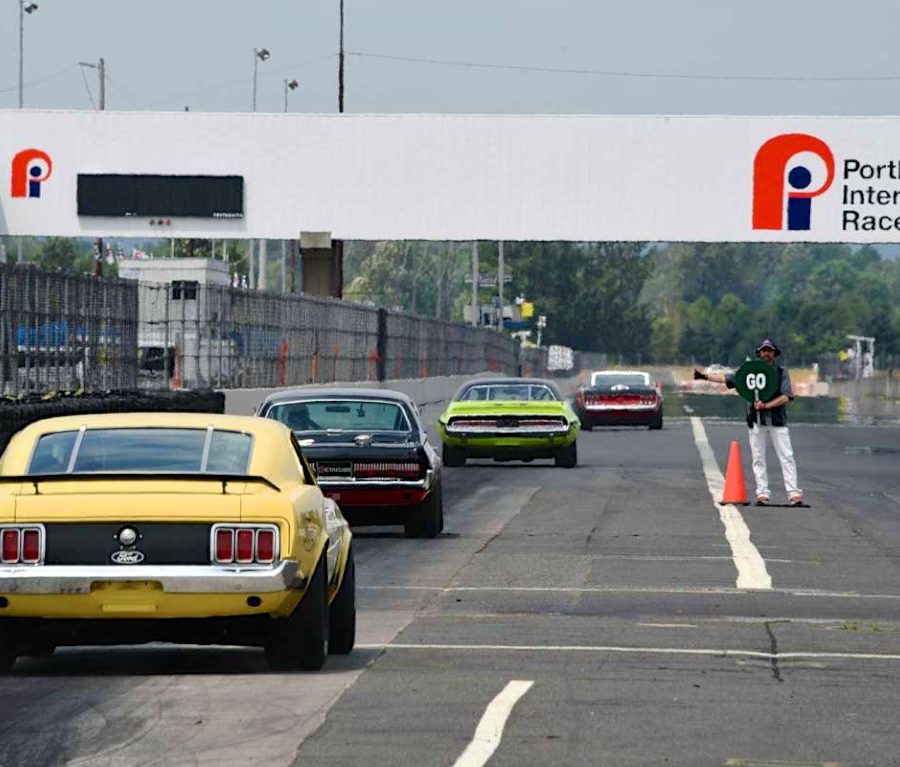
x=245 y=423
x=269 y=457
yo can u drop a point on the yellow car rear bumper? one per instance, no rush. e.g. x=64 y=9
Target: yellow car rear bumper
x=149 y=591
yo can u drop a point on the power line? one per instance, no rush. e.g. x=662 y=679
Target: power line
x=41 y=79
x=242 y=82
x=625 y=73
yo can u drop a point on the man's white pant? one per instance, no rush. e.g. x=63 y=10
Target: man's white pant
x=781 y=439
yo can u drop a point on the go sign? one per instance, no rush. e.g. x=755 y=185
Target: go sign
x=756 y=379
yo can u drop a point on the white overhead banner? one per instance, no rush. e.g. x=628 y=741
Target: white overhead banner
x=461 y=177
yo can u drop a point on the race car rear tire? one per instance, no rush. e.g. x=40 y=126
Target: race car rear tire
x=587 y=426
x=453 y=456
x=658 y=423
x=426 y=520
x=7 y=655
x=300 y=642
x=567 y=457
x=342 y=612
x=39 y=650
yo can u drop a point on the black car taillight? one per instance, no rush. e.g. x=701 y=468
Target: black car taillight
x=409 y=470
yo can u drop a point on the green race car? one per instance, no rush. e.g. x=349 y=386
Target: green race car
x=509 y=419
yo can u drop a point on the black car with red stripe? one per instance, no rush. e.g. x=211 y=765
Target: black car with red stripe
x=370 y=453
x=620 y=398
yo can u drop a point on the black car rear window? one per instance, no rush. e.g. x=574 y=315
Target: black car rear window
x=341 y=415
x=142 y=450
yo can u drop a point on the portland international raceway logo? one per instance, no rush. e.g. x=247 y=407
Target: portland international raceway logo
x=30 y=169
x=778 y=191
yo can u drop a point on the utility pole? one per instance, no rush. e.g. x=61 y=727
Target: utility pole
x=340 y=64
x=261 y=280
x=500 y=283
x=100 y=66
x=476 y=311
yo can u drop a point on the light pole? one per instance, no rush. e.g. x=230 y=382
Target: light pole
x=24 y=8
x=100 y=66
x=289 y=85
x=259 y=54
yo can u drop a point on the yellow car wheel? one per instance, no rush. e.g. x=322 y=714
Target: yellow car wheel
x=7 y=656
x=39 y=650
x=342 y=612
x=300 y=642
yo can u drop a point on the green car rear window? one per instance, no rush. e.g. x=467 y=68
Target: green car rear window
x=508 y=393
x=142 y=450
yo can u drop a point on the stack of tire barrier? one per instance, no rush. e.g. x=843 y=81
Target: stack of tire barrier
x=16 y=414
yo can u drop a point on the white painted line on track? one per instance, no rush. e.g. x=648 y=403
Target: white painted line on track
x=490 y=728
x=694 y=651
x=683 y=558
x=751 y=567
x=666 y=625
x=632 y=590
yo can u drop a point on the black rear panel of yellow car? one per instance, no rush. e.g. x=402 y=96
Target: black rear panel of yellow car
x=161 y=544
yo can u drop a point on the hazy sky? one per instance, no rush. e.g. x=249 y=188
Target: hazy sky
x=680 y=56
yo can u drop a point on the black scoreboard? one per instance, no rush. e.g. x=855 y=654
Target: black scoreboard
x=170 y=196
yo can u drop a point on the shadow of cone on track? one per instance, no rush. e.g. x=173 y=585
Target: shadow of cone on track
x=735 y=490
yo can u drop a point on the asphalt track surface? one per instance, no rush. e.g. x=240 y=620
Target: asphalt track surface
x=610 y=587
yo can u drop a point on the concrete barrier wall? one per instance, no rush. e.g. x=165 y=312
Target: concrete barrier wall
x=424 y=392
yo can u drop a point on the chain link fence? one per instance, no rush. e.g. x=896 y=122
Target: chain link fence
x=65 y=332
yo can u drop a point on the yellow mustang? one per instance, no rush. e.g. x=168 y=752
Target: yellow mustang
x=190 y=528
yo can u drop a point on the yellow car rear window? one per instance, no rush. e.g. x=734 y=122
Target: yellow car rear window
x=142 y=450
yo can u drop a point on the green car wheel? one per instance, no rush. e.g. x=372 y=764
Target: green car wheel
x=568 y=456
x=453 y=456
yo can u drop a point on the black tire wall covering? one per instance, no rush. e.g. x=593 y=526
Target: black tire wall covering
x=17 y=414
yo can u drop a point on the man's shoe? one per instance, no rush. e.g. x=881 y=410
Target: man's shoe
x=795 y=500
x=762 y=500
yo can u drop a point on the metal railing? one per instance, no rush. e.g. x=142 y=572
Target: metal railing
x=64 y=332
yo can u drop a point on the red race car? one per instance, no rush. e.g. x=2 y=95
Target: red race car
x=620 y=398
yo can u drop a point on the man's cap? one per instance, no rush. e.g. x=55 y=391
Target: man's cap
x=767 y=344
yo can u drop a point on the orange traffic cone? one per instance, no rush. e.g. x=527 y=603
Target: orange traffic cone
x=735 y=491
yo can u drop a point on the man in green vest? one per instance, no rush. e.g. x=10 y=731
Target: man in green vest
x=768 y=417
